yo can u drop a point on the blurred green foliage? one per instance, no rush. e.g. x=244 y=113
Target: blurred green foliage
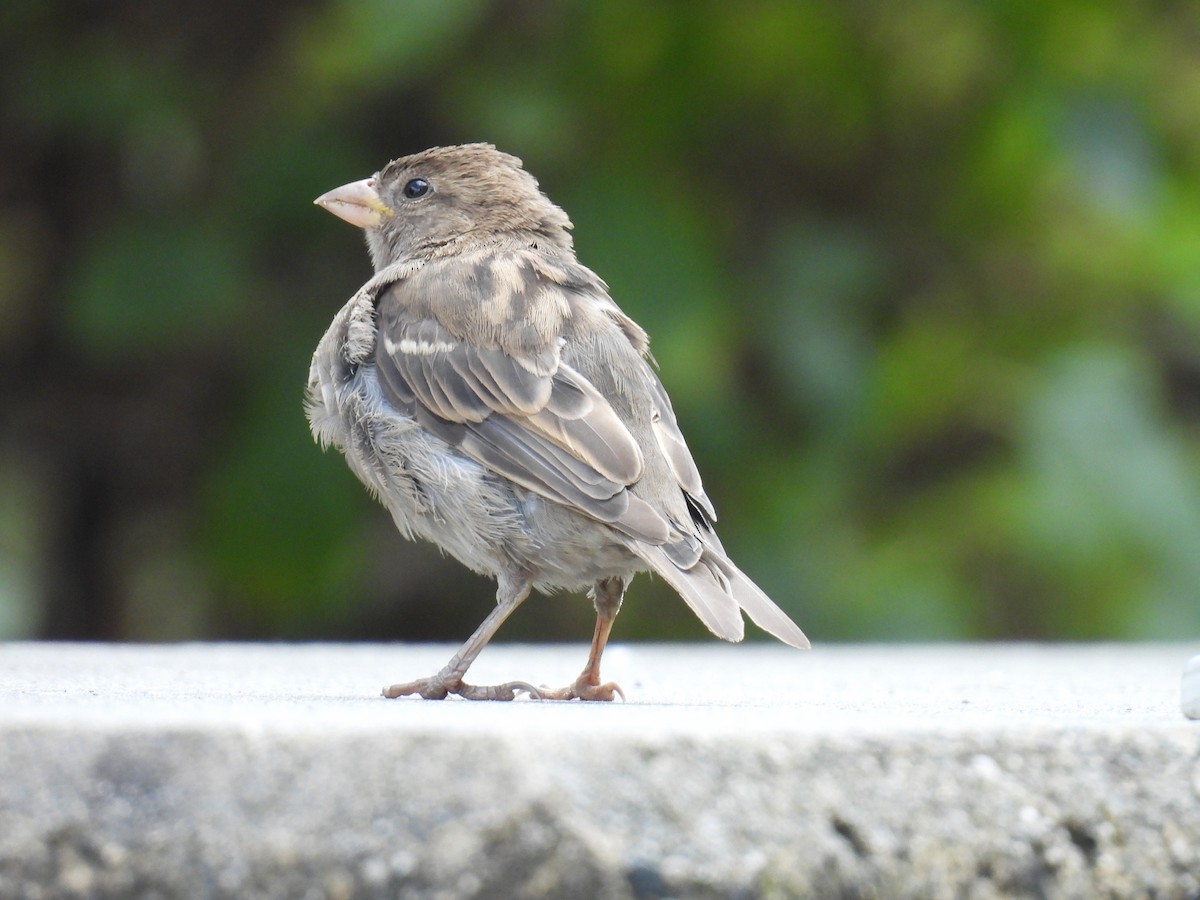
x=922 y=278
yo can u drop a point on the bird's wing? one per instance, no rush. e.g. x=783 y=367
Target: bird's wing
x=536 y=421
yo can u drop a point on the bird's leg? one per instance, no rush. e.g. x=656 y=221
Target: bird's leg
x=607 y=596
x=510 y=592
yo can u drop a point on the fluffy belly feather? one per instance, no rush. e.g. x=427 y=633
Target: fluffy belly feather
x=434 y=492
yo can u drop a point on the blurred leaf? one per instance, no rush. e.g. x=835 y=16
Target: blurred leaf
x=1111 y=486
x=23 y=528
x=142 y=285
x=815 y=328
x=281 y=520
x=364 y=46
x=652 y=250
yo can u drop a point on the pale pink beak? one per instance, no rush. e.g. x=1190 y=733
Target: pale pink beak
x=357 y=202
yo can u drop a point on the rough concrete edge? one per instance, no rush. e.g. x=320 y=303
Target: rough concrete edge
x=237 y=813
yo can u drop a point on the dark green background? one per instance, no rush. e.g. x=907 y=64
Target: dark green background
x=923 y=279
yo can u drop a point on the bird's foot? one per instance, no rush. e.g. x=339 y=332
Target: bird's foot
x=584 y=690
x=439 y=686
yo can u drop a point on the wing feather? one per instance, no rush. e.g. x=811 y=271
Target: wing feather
x=554 y=434
x=679 y=458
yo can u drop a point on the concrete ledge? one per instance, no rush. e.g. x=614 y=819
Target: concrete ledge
x=276 y=771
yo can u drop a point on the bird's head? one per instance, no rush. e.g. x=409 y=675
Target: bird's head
x=428 y=203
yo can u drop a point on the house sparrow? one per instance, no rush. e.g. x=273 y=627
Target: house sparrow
x=488 y=391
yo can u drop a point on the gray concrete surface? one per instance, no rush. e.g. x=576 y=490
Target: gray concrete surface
x=733 y=771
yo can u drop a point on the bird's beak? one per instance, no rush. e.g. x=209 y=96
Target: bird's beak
x=358 y=203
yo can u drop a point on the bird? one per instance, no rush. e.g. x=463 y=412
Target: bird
x=488 y=391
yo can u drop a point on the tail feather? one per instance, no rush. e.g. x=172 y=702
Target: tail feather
x=718 y=592
x=761 y=609
x=715 y=607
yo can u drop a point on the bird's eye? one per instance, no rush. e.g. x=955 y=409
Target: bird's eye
x=418 y=187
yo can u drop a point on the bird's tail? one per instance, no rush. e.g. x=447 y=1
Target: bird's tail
x=718 y=592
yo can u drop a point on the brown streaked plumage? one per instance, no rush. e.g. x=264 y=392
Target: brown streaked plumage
x=485 y=387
